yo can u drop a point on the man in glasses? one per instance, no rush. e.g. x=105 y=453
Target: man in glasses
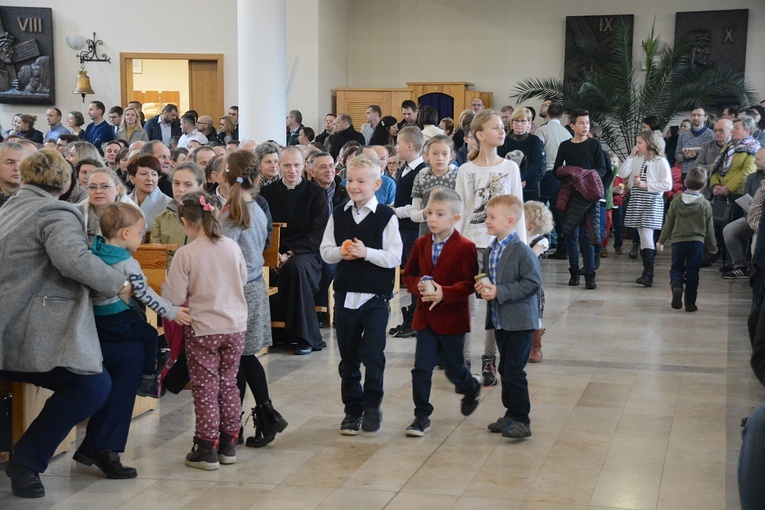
x=115 y=118
x=205 y=126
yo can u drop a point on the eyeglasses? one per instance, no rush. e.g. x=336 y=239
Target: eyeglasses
x=203 y=123
x=102 y=187
x=521 y=121
x=113 y=117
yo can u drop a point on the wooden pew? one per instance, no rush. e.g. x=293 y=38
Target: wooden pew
x=153 y=260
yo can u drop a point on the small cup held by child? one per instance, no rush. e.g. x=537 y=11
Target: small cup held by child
x=482 y=278
x=428 y=282
x=345 y=247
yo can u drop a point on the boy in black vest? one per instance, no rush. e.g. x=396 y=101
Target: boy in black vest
x=363 y=239
x=409 y=144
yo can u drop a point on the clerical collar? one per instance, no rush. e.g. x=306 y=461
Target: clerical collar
x=288 y=186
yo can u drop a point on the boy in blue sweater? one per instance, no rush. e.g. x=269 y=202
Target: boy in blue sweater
x=123 y=227
x=362 y=238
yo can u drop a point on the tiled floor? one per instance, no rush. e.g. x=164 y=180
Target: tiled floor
x=636 y=406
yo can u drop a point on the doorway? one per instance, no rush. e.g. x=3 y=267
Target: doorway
x=188 y=80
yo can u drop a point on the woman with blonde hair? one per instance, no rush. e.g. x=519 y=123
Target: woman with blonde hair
x=226 y=128
x=650 y=178
x=104 y=187
x=76 y=151
x=533 y=161
x=130 y=128
x=52 y=341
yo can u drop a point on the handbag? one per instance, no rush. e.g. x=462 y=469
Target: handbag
x=177 y=376
x=721 y=211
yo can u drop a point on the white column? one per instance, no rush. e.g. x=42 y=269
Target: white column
x=261 y=49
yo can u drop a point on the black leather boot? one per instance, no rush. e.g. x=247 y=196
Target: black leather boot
x=589 y=280
x=648 y=258
x=677 y=294
x=107 y=461
x=574 y=280
x=690 y=300
x=268 y=423
x=25 y=483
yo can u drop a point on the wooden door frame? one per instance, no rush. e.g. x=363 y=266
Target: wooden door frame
x=126 y=75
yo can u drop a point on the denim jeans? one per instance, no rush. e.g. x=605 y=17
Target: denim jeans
x=751 y=462
x=580 y=239
x=429 y=345
x=686 y=261
x=361 y=339
x=514 y=349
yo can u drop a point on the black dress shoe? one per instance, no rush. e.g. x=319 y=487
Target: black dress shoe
x=107 y=461
x=303 y=349
x=25 y=483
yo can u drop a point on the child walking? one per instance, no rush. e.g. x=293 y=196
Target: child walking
x=243 y=221
x=483 y=177
x=409 y=149
x=689 y=226
x=123 y=226
x=363 y=239
x=651 y=177
x=440 y=173
x=512 y=311
x=539 y=223
x=210 y=274
x=440 y=271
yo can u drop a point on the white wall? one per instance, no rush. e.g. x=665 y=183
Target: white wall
x=334 y=53
x=496 y=43
x=317 y=33
x=302 y=44
x=131 y=26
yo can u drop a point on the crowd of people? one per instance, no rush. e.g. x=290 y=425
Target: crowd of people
x=467 y=209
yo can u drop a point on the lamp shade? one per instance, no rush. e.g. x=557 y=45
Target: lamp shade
x=83 y=83
x=76 y=41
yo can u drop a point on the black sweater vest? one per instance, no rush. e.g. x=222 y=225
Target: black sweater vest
x=359 y=275
x=404 y=187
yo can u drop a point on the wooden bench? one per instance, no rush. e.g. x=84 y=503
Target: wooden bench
x=28 y=399
x=153 y=260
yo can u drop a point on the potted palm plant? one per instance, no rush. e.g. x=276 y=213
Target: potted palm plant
x=618 y=95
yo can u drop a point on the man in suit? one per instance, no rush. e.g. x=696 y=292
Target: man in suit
x=164 y=126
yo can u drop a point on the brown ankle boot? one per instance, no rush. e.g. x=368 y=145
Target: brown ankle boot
x=536 y=346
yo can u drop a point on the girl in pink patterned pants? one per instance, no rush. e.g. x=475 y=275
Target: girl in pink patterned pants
x=209 y=274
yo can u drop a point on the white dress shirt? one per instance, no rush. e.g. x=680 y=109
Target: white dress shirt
x=389 y=256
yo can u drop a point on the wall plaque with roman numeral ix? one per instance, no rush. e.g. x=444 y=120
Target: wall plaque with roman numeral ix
x=594 y=32
x=26 y=56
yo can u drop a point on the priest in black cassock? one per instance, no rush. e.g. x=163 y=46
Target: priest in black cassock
x=302 y=205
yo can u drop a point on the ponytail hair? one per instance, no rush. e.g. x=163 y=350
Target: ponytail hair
x=476 y=126
x=198 y=210
x=242 y=172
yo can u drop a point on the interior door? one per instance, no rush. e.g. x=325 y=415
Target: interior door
x=205 y=91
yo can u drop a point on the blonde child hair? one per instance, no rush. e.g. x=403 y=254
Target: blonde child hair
x=538 y=217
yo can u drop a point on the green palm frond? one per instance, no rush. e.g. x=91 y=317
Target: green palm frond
x=618 y=97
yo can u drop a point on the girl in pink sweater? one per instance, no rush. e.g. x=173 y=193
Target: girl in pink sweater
x=209 y=274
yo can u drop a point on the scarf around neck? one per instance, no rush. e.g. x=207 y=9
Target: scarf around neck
x=724 y=159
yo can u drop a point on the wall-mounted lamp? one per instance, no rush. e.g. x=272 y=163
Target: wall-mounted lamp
x=78 y=42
